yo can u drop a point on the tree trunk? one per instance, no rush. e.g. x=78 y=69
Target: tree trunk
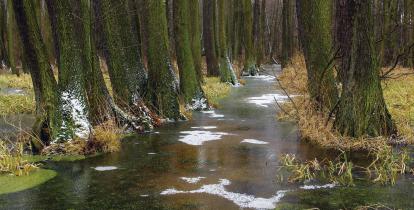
x=73 y=103
x=44 y=82
x=249 y=60
x=162 y=82
x=287 y=31
x=195 y=37
x=315 y=20
x=11 y=35
x=126 y=71
x=361 y=110
x=210 y=38
x=226 y=69
x=260 y=42
x=189 y=85
x=3 y=52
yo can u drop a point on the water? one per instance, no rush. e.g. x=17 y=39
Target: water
x=226 y=159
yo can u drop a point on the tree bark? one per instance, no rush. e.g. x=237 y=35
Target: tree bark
x=250 y=57
x=210 y=38
x=226 y=69
x=41 y=72
x=287 y=32
x=195 y=37
x=11 y=41
x=315 y=20
x=189 y=85
x=162 y=82
x=362 y=109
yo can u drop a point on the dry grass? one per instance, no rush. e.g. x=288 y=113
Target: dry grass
x=314 y=126
x=12 y=160
x=13 y=81
x=215 y=90
x=106 y=138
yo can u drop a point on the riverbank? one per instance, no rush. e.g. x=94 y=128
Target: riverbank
x=317 y=129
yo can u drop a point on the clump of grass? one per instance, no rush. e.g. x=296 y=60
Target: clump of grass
x=12 y=160
x=23 y=81
x=338 y=171
x=16 y=104
x=106 y=138
x=215 y=90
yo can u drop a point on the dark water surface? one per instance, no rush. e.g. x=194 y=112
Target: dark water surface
x=151 y=169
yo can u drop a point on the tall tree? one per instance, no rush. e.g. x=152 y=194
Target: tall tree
x=226 y=69
x=195 y=36
x=72 y=84
x=162 y=82
x=318 y=52
x=250 y=53
x=287 y=31
x=44 y=83
x=362 y=109
x=11 y=38
x=189 y=85
x=3 y=52
x=209 y=37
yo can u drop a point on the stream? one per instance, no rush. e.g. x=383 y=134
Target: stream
x=222 y=159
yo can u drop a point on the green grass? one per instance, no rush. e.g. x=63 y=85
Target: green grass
x=13 y=81
x=17 y=104
x=215 y=90
x=55 y=158
x=11 y=184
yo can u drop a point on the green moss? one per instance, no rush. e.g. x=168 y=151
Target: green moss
x=56 y=158
x=11 y=184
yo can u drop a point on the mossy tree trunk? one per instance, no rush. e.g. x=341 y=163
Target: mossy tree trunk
x=226 y=69
x=195 y=37
x=73 y=102
x=126 y=70
x=209 y=37
x=250 y=53
x=162 y=82
x=41 y=72
x=315 y=20
x=260 y=42
x=3 y=52
x=361 y=110
x=390 y=32
x=236 y=29
x=11 y=38
x=287 y=32
x=190 y=87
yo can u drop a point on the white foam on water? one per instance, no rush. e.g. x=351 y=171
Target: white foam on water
x=240 y=199
x=205 y=127
x=254 y=141
x=198 y=137
x=314 y=187
x=105 y=168
x=192 y=180
x=267 y=99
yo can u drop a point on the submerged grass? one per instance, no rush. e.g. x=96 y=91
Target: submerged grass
x=215 y=90
x=11 y=184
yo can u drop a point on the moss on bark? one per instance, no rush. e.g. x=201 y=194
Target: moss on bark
x=250 y=54
x=162 y=82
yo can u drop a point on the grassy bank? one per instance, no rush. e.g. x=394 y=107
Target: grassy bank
x=16 y=103
x=215 y=90
x=315 y=127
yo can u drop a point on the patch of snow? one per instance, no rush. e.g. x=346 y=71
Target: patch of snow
x=77 y=109
x=212 y=170
x=213 y=114
x=105 y=168
x=144 y=196
x=267 y=99
x=205 y=127
x=314 y=187
x=240 y=199
x=254 y=141
x=151 y=153
x=197 y=138
x=198 y=104
x=192 y=180
x=263 y=77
